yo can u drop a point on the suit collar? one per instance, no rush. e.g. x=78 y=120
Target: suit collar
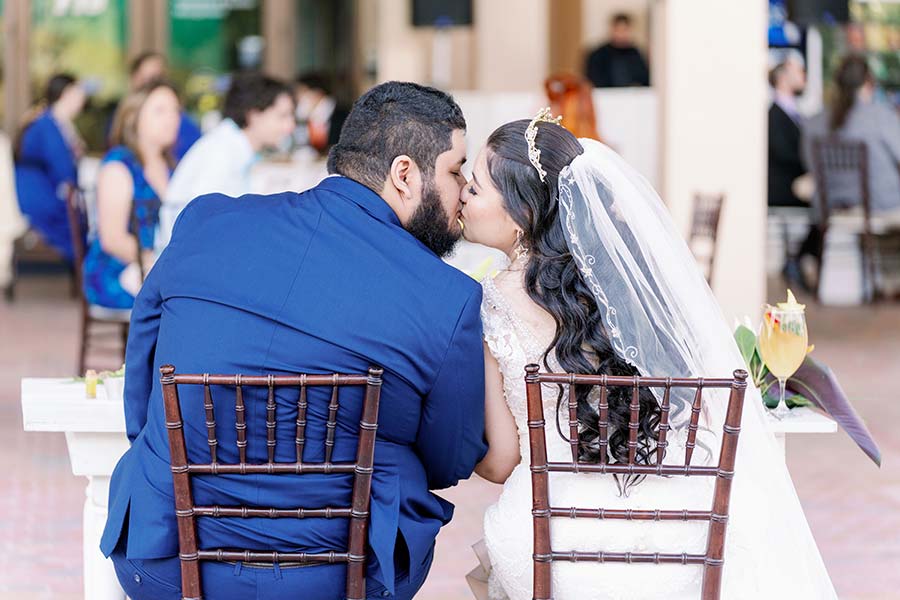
x=359 y=194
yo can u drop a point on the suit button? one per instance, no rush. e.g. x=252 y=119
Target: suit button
x=385 y=593
x=137 y=578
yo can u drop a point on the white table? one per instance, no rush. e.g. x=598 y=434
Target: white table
x=801 y=420
x=95 y=436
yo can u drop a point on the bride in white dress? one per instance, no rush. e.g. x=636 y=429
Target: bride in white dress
x=599 y=281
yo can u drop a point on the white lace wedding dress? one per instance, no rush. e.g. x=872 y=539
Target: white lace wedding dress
x=508 y=523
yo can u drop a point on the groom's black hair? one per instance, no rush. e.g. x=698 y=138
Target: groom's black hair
x=390 y=120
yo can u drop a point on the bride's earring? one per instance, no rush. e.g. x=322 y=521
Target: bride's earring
x=520 y=250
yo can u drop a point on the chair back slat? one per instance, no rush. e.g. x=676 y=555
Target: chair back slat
x=603 y=408
x=542 y=555
x=573 y=422
x=627 y=514
x=713 y=559
x=247 y=512
x=210 y=422
x=832 y=156
x=632 y=558
x=633 y=422
x=331 y=425
x=696 y=407
x=184 y=499
x=302 y=405
x=705 y=226
x=663 y=442
x=715 y=546
x=357 y=513
x=362 y=485
x=76 y=212
x=240 y=422
x=270 y=420
x=835 y=156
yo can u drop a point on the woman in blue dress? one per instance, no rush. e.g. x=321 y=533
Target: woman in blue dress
x=46 y=153
x=132 y=179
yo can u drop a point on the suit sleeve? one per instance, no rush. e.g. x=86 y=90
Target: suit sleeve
x=62 y=162
x=45 y=139
x=450 y=439
x=140 y=368
x=141 y=350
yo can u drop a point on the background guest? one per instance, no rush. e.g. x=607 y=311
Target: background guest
x=788 y=79
x=319 y=117
x=46 y=153
x=134 y=175
x=855 y=115
x=151 y=66
x=259 y=114
x=618 y=63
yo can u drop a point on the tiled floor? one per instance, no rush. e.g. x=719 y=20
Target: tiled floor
x=853 y=507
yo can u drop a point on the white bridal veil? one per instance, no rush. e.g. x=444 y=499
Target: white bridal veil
x=662 y=317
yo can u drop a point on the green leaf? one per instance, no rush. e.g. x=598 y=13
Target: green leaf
x=797 y=400
x=771 y=397
x=746 y=343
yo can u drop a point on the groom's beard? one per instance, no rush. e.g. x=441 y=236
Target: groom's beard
x=430 y=224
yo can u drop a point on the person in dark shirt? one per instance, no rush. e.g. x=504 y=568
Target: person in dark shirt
x=788 y=80
x=618 y=63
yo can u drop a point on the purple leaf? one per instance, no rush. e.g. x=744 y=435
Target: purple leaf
x=817 y=382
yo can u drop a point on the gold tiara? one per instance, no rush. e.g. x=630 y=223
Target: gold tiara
x=534 y=154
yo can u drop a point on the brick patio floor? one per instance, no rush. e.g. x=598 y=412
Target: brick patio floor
x=853 y=507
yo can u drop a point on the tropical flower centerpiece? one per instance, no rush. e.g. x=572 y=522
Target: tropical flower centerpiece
x=812 y=384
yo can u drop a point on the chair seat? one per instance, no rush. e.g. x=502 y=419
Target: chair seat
x=102 y=313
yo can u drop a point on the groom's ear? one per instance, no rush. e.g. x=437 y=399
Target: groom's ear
x=403 y=178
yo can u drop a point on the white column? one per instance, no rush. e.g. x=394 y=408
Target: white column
x=513 y=46
x=710 y=73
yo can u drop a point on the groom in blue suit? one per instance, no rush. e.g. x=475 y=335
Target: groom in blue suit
x=335 y=279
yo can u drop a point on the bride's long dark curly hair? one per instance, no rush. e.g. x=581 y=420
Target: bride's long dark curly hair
x=554 y=282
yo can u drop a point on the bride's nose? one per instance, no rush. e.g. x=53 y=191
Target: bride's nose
x=463 y=193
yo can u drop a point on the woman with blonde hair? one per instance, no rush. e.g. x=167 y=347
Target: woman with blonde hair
x=134 y=175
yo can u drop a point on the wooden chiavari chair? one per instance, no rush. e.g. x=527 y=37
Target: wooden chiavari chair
x=714 y=557
x=705 y=230
x=362 y=469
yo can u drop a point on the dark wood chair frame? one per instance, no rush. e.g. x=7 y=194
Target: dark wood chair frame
x=362 y=469
x=705 y=224
x=714 y=557
x=90 y=323
x=831 y=154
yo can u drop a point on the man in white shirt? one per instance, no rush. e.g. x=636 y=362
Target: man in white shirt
x=258 y=114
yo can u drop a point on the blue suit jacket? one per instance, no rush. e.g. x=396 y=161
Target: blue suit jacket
x=324 y=281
